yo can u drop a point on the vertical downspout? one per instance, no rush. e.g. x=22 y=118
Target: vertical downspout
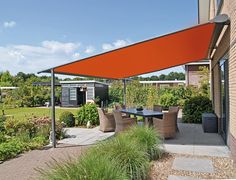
x=53 y=134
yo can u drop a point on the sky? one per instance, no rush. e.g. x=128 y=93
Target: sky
x=39 y=34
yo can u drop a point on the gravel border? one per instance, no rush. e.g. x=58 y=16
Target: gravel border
x=224 y=168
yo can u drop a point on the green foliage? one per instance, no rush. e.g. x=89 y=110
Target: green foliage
x=88 y=112
x=147 y=138
x=204 y=82
x=152 y=97
x=168 y=99
x=89 y=167
x=136 y=94
x=68 y=118
x=126 y=156
x=19 y=144
x=116 y=92
x=194 y=107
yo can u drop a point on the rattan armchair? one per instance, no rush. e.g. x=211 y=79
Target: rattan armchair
x=107 y=121
x=166 y=126
x=157 y=108
x=123 y=123
x=176 y=110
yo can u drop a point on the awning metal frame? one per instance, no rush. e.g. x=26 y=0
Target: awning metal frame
x=220 y=21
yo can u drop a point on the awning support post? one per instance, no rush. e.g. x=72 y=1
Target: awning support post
x=124 y=92
x=53 y=133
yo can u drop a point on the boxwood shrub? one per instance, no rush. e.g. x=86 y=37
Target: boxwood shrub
x=68 y=118
x=194 y=107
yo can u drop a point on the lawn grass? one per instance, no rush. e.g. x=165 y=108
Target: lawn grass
x=22 y=113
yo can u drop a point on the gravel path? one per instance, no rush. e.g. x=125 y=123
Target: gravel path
x=23 y=167
x=161 y=169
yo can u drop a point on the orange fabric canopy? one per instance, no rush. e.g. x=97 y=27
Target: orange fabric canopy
x=159 y=53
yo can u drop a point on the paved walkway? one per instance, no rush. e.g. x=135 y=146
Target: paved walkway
x=23 y=167
x=83 y=136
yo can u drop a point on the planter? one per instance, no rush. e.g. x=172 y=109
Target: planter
x=209 y=123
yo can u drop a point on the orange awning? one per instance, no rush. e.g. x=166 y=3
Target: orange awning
x=189 y=45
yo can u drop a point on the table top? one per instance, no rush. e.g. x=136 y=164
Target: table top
x=143 y=113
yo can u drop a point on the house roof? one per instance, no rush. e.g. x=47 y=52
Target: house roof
x=178 y=48
x=82 y=82
x=164 y=82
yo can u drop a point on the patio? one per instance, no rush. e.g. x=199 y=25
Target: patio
x=189 y=140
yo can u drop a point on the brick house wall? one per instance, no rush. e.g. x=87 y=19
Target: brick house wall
x=227 y=44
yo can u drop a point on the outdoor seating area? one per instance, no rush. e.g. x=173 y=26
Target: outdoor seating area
x=164 y=122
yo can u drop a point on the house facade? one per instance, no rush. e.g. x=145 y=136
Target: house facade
x=223 y=69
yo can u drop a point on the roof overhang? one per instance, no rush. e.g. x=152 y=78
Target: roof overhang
x=178 y=48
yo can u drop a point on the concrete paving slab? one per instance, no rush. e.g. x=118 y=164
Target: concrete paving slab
x=83 y=136
x=193 y=164
x=172 y=177
x=214 y=151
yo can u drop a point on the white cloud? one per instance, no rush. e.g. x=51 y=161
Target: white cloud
x=89 y=50
x=107 y=47
x=9 y=24
x=76 y=55
x=117 y=44
x=56 y=46
x=31 y=59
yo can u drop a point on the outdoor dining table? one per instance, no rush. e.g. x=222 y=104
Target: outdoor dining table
x=146 y=114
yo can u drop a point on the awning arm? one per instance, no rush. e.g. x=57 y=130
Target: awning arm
x=221 y=21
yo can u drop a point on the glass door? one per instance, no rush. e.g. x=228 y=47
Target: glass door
x=224 y=97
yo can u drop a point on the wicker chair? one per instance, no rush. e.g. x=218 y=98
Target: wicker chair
x=166 y=126
x=120 y=107
x=107 y=121
x=123 y=123
x=157 y=108
x=176 y=110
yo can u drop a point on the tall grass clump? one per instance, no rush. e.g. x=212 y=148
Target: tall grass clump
x=148 y=139
x=89 y=167
x=127 y=154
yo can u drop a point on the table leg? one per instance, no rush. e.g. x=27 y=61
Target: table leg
x=148 y=121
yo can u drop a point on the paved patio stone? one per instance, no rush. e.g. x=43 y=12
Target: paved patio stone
x=172 y=177
x=83 y=136
x=193 y=164
x=193 y=141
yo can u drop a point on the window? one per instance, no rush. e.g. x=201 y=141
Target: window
x=224 y=96
x=73 y=94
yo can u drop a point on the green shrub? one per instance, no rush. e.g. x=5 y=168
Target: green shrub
x=194 y=107
x=168 y=99
x=16 y=145
x=11 y=149
x=68 y=118
x=2 y=137
x=15 y=126
x=89 y=167
x=147 y=139
x=88 y=112
x=2 y=120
